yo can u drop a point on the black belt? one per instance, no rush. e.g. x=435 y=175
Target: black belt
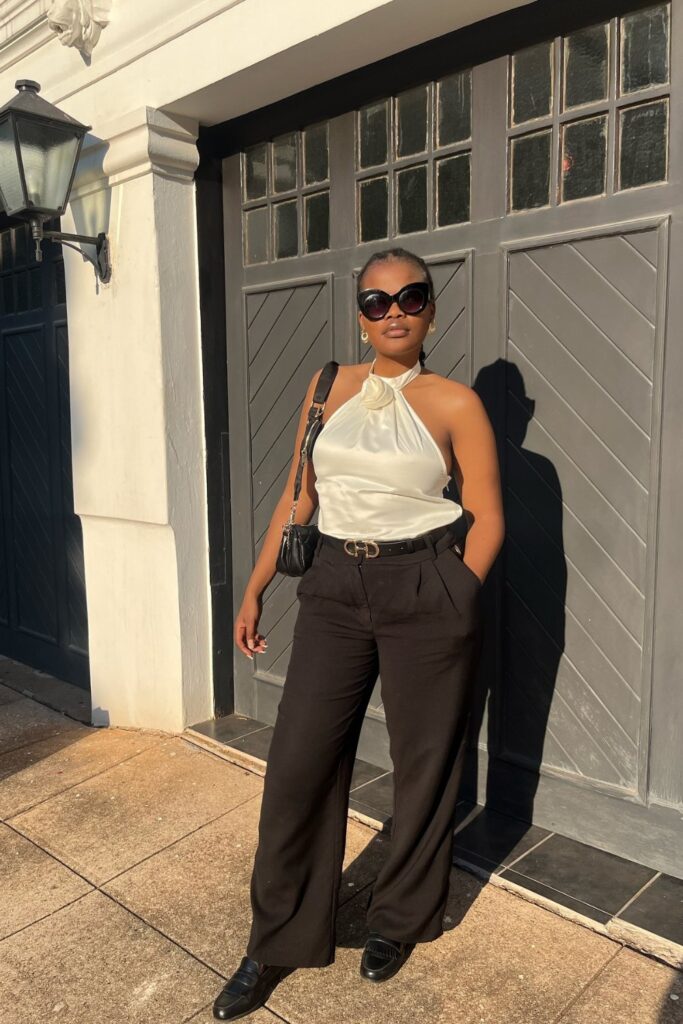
x=376 y=548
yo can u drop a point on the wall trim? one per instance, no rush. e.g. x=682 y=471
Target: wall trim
x=143 y=141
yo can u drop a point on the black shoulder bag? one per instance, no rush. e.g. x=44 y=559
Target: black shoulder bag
x=299 y=540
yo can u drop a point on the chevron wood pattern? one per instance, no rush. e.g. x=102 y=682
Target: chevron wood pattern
x=289 y=337
x=581 y=344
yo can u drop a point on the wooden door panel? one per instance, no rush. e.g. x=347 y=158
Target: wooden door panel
x=581 y=332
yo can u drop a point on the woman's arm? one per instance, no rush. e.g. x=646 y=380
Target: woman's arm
x=478 y=476
x=245 y=634
x=264 y=569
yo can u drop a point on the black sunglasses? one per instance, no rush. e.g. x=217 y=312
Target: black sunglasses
x=374 y=304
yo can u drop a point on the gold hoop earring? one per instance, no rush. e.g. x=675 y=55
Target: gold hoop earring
x=364 y=336
x=432 y=326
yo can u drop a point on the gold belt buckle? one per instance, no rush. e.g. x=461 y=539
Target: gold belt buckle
x=361 y=545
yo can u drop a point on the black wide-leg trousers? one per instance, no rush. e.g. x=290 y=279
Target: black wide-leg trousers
x=414 y=618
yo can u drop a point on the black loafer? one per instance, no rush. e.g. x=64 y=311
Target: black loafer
x=382 y=958
x=247 y=989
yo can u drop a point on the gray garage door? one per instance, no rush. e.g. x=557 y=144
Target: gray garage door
x=541 y=187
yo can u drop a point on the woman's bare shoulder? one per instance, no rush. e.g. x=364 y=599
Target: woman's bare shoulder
x=354 y=371
x=451 y=390
x=348 y=376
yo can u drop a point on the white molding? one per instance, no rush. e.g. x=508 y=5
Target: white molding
x=143 y=141
x=23 y=30
x=18 y=15
x=145 y=35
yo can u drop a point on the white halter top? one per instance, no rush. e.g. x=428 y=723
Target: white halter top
x=380 y=474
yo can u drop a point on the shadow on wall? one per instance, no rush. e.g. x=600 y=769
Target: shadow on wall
x=91 y=194
x=513 y=700
x=90 y=207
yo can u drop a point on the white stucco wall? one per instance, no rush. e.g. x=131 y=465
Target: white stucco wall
x=137 y=428
x=159 y=68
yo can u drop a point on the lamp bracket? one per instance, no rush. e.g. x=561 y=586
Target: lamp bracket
x=100 y=261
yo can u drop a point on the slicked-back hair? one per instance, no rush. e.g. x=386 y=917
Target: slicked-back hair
x=399 y=255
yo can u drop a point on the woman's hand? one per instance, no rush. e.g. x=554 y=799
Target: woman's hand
x=246 y=637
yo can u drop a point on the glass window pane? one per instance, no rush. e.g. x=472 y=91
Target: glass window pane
x=645 y=48
x=454 y=108
x=256 y=232
x=317 y=222
x=36 y=287
x=316 y=164
x=284 y=162
x=411 y=199
x=254 y=170
x=60 y=281
x=8 y=294
x=583 y=158
x=372 y=132
x=585 y=70
x=411 y=121
x=532 y=82
x=374 y=221
x=48 y=156
x=20 y=244
x=453 y=189
x=286 y=231
x=530 y=171
x=6 y=247
x=10 y=175
x=643 y=133
x=22 y=291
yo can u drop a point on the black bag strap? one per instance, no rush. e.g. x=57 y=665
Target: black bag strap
x=325 y=381
x=314 y=423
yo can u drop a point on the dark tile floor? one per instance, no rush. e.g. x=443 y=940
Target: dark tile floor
x=593 y=877
x=659 y=908
x=597 y=884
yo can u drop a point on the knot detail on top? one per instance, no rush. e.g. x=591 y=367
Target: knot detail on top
x=376 y=393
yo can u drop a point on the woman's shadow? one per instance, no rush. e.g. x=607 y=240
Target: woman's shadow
x=524 y=606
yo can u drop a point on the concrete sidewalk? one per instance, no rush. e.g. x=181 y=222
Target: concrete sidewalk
x=124 y=885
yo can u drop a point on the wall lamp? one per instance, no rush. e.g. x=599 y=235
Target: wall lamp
x=39 y=149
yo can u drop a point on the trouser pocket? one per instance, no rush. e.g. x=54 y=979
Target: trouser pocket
x=461 y=586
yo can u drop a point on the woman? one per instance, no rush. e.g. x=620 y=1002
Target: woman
x=390 y=593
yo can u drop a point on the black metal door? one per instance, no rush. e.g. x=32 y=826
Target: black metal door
x=43 y=615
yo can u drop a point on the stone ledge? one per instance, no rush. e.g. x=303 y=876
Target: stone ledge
x=238 y=757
